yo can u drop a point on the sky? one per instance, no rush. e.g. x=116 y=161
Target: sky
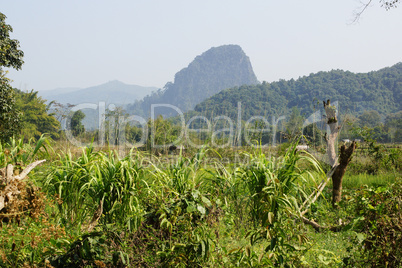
x=145 y=42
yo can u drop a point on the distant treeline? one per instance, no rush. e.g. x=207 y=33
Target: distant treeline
x=380 y=91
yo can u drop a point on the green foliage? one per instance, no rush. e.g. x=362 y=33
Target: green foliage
x=28 y=235
x=379 y=91
x=370 y=119
x=95 y=249
x=393 y=122
x=387 y=132
x=182 y=209
x=379 y=223
x=96 y=183
x=258 y=134
x=261 y=99
x=161 y=133
x=190 y=210
x=10 y=116
x=294 y=124
x=19 y=152
x=30 y=242
x=355 y=181
x=382 y=157
x=36 y=119
x=10 y=54
x=313 y=134
x=113 y=123
x=274 y=197
x=76 y=123
x=133 y=134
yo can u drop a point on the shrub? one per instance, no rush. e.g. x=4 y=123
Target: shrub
x=379 y=211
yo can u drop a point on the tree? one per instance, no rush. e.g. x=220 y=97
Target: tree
x=60 y=110
x=76 y=123
x=390 y=4
x=10 y=56
x=161 y=133
x=338 y=166
x=113 y=124
x=370 y=119
x=394 y=125
x=313 y=134
x=384 y=3
x=35 y=117
x=295 y=123
x=9 y=115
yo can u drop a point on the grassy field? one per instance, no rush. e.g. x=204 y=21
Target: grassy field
x=209 y=208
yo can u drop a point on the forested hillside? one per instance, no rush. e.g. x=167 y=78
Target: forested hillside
x=378 y=90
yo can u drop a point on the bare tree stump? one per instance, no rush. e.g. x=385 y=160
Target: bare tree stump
x=345 y=156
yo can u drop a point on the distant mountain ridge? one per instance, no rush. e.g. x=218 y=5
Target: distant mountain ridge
x=115 y=92
x=58 y=91
x=214 y=70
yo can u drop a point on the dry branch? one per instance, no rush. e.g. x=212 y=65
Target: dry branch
x=316 y=193
x=319 y=228
x=28 y=169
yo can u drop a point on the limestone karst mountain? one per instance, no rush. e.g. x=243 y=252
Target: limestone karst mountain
x=216 y=69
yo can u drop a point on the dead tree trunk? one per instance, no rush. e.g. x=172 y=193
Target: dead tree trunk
x=344 y=159
x=345 y=156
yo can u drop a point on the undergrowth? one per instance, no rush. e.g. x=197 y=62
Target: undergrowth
x=98 y=209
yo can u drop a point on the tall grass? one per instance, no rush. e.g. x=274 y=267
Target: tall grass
x=185 y=212
x=277 y=183
x=276 y=190
x=354 y=181
x=16 y=151
x=96 y=183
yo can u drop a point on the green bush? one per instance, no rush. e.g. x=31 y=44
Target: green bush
x=379 y=216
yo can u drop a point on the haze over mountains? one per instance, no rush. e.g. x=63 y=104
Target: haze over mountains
x=115 y=92
x=214 y=70
x=215 y=81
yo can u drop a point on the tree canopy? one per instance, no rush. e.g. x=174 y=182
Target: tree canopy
x=10 y=56
x=76 y=123
x=35 y=117
x=380 y=91
x=34 y=120
x=9 y=115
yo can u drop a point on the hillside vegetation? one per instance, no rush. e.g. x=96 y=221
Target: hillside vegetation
x=378 y=90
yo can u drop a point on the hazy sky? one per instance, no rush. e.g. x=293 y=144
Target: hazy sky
x=145 y=42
